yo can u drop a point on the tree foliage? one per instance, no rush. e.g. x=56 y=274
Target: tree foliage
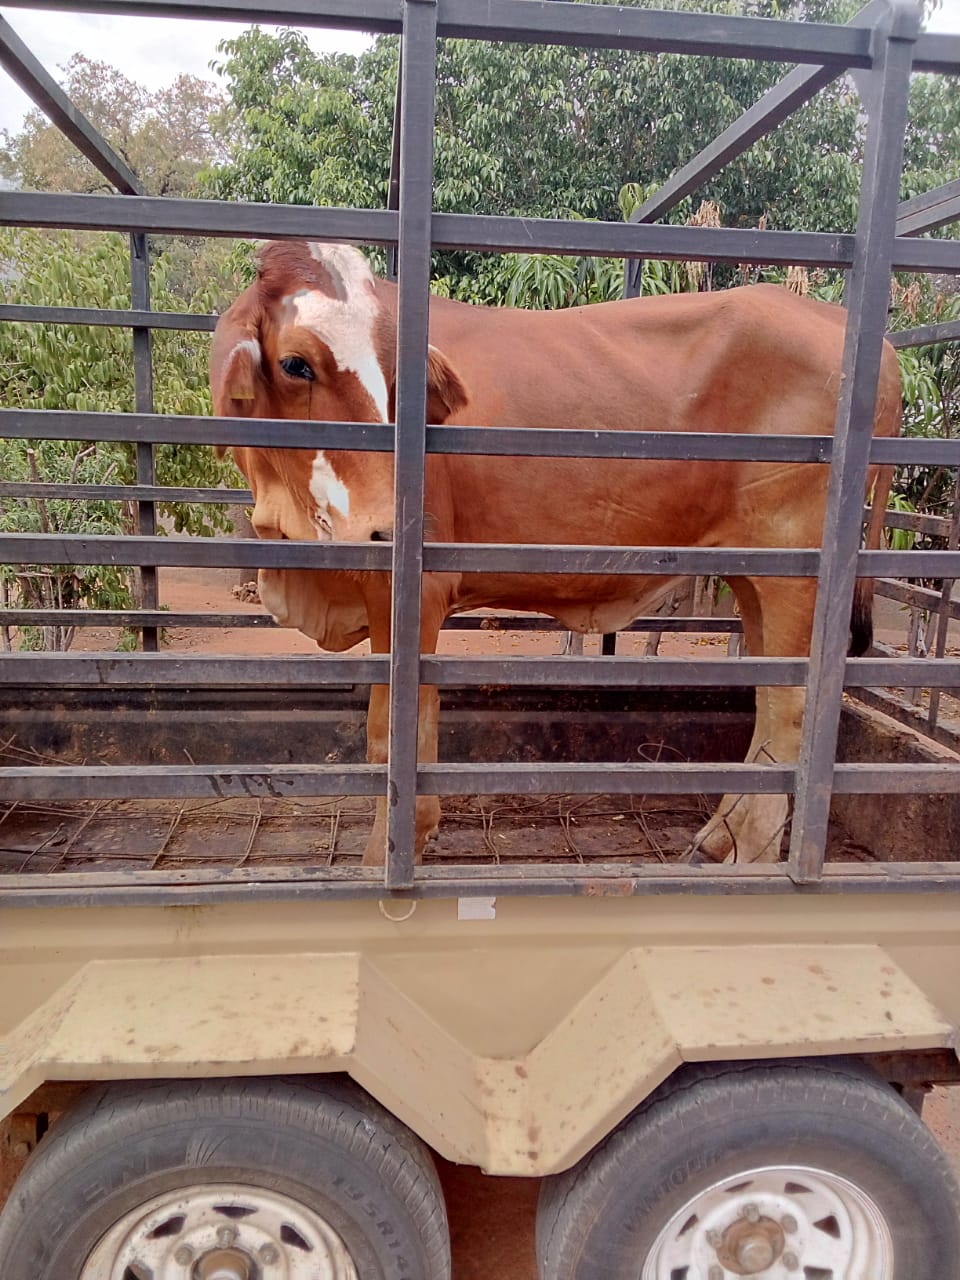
x=165 y=137
x=90 y=368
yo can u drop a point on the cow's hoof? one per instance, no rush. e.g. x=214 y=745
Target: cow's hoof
x=692 y=856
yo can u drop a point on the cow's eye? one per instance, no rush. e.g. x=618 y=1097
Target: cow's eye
x=297 y=367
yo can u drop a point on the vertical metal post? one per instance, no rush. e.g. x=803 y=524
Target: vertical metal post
x=393 y=190
x=633 y=278
x=418 y=79
x=867 y=297
x=143 y=394
x=943 y=612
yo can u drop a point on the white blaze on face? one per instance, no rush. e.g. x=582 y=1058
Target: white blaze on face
x=328 y=490
x=345 y=323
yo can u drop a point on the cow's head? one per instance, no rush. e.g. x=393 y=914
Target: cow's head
x=314 y=338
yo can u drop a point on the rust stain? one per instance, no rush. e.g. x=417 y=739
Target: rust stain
x=609 y=888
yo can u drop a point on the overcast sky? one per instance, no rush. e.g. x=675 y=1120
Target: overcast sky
x=154 y=51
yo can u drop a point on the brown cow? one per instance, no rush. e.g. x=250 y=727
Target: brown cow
x=314 y=338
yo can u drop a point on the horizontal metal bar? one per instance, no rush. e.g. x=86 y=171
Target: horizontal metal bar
x=937 y=53
x=915 y=254
x=167 y=215
x=151 y=670
x=128 y=618
x=280 y=433
x=442 y=557
x=210 y=886
x=156 y=670
x=917 y=453
x=439 y=557
x=160 y=888
x=149 y=428
x=576 y=443
x=653 y=672
x=614 y=672
x=925 y=335
x=676 y=778
x=939 y=526
x=34 y=79
x=188 y=781
x=930 y=210
x=638 y=240
x=909 y=564
x=450 y=230
x=609 y=27
x=129 y=319
x=125 y=493
x=114 y=782
x=223 y=553
x=459 y=622
x=919 y=597
x=534 y=22
x=378 y=16
x=540 y=622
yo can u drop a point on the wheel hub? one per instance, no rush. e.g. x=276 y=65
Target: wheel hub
x=224 y=1264
x=223 y=1231
x=750 y=1248
x=778 y=1223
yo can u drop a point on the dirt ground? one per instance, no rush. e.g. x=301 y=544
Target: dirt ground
x=492 y=1219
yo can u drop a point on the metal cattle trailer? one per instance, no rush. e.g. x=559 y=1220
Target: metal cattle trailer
x=249 y=1059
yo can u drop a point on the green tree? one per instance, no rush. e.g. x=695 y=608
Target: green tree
x=91 y=369
x=165 y=137
x=541 y=131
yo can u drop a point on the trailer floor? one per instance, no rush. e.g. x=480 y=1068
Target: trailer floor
x=166 y=835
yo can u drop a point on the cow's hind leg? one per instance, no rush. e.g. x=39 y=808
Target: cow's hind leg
x=777 y=614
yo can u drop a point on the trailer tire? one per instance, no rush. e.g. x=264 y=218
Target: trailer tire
x=299 y=1177
x=788 y=1169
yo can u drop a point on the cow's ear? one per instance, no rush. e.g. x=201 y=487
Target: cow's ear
x=446 y=394
x=235 y=362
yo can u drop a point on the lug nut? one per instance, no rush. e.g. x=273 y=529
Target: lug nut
x=791 y=1261
x=714 y=1238
x=226 y=1236
x=715 y=1273
x=789 y=1223
x=183 y=1255
x=269 y=1255
x=751 y=1213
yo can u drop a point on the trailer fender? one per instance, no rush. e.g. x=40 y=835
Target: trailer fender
x=530 y=1112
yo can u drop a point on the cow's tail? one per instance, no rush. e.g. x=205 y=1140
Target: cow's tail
x=861 y=618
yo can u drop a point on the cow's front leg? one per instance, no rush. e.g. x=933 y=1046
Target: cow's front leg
x=777 y=616
x=750 y=827
x=378 y=751
x=378 y=739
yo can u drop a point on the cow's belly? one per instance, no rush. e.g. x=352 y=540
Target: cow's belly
x=580 y=602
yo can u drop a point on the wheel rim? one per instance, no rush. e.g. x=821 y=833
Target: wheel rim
x=220 y=1232
x=783 y=1223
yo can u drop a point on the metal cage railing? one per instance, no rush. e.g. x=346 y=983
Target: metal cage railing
x=880 y=48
